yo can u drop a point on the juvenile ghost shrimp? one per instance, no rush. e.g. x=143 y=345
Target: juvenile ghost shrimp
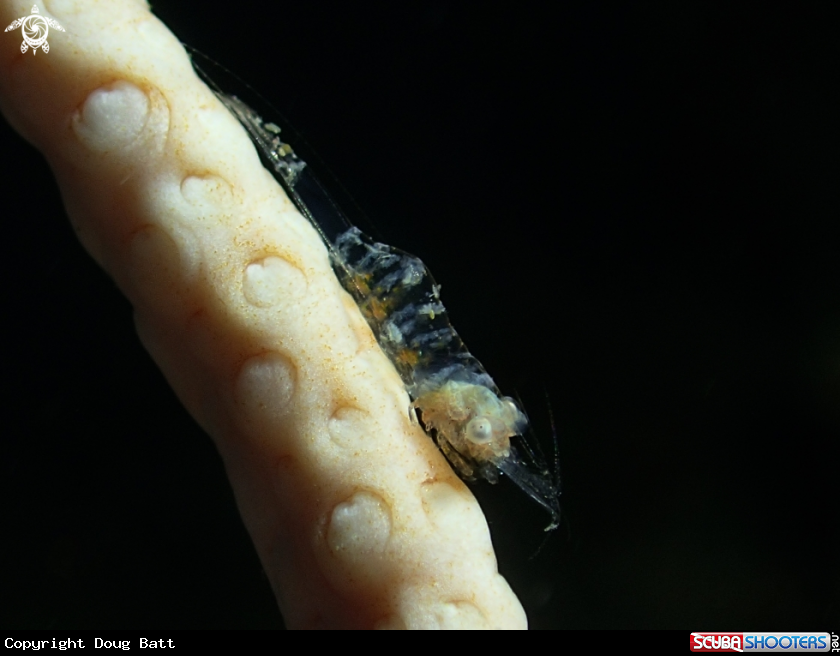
x=480 y=431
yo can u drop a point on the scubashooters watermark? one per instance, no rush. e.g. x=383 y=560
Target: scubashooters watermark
x=768 y=642
x=35 y=29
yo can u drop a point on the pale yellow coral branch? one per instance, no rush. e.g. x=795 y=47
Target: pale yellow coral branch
x=357 y=518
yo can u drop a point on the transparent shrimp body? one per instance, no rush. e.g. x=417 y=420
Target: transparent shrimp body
x=456 y=400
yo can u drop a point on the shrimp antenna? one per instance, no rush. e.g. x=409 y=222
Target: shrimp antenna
x=556 y=473
x=531 y=446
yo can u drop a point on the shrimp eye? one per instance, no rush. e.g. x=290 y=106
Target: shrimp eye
x=479 y=430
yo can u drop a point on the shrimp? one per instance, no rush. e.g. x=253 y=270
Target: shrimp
x=455 y=399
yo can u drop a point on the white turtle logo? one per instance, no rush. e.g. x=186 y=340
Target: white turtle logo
x=35 y=29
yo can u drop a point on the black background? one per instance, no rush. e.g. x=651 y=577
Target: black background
x=633 y=212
